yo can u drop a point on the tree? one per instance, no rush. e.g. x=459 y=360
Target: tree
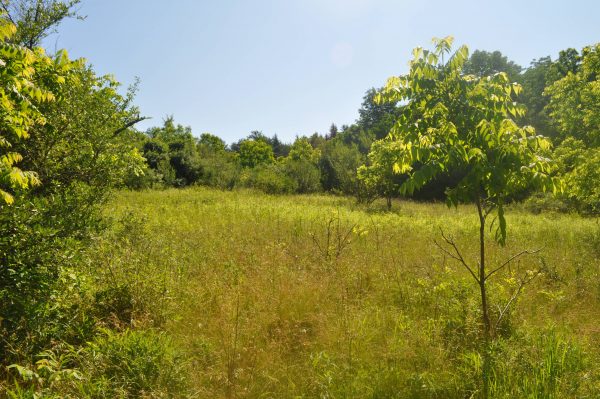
x=378 y=175
x=333 y=131
x=339 y=163
x=210 y=144
x=36 y=19
x=86 y=140
x=575 y=99
x=377 y=118
x=455 y=121
x=255 y=152
x=302 y=166
x=80 y=146
x=182 y=151
x=483 y=63
x=21 y=69
x=542 y=74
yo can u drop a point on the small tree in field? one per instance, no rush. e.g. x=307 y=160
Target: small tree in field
x=378 y=175
x=455 y=122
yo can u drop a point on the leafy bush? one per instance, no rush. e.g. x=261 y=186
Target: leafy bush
x=270 y=179
x=305 y=174
x=131 y=364
x=220 y=170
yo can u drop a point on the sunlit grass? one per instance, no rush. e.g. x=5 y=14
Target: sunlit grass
x=245 y=284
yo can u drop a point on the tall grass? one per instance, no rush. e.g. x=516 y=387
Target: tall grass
x=315 y=296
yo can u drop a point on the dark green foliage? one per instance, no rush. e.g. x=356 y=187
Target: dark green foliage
x=220 y=170
x=176 y=144
x=376 y=118
x=339 y=164
x=483 y=63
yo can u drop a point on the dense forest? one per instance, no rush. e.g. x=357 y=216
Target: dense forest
x=87 y=285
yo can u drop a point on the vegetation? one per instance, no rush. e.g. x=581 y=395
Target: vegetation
x=318 y=296
x=121 y=277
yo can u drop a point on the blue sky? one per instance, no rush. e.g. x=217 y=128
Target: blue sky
x=292 y=67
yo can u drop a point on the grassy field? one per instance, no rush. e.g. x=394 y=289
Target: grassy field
x=315 y=296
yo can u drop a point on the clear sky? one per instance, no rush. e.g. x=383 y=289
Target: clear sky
x=292 y=67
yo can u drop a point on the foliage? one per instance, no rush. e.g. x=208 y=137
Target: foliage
x=461 y=122
x=177 y=145
x=22 y=89
x=209 y=144
x=575 y=100
x=378 y=175
x=339 y=164
x=37 y=19
x=131 y=364
x=376 y=117
x=269 y=178
x=255 y=152
x=582 y=182
x=484 y=63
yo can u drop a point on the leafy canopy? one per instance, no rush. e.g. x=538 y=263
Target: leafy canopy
x=575 y=99
x=255 y=152
x=451 y=121
x=21 y=71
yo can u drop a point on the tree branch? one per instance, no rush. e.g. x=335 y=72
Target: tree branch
x=458 y=257
x=4 y=5
x=129 y=124
x=523 y=282
x=525 y=252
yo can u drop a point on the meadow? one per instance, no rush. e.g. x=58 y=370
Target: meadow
x=265 y=296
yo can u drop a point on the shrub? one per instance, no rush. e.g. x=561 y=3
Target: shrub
x=270 y=179
x=132 y=364
x=305 y=174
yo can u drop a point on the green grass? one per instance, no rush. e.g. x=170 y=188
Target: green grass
x=247 y=289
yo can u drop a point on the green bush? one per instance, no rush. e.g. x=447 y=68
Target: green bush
x=220 y=170
x=270 y=179
x=131 y=364
x=305 y=174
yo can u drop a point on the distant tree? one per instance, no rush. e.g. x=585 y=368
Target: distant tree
x=301 y=165
x=569 y=61
x=575 y=98
x=542 y=74
x=182 y=151
x=574 y=106
x=280 y=149
x=255 y=152
x=378 y=174
x=210 y=144
x=374 y=117
x=303 y=150
x=333 y=131
x=339 y=163
x=483 y=63
x=456 y=121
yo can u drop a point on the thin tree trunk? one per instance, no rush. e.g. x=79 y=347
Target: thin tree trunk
x=484 y=305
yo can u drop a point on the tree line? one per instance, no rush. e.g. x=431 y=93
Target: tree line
x=559 y=99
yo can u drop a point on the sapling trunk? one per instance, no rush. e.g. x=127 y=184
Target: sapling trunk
x=484 y=305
